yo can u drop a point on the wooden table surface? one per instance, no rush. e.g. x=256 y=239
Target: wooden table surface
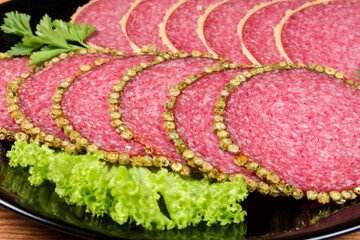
x=15 y=226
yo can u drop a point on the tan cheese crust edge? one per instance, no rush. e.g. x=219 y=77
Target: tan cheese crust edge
x=162 y=26
x=201 y=22
x=75 y=15
x=123 y=24
x=242 y=23
x=278 y=29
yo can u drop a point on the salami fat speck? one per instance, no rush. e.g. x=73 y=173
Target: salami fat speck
x=86 y=106
x=142 y=23
x=219 y=29
x=105 y=15
x=142 y=101
x=257 y=31
x=35 y=95
x=300 y=124
x=10 y=69
x=324 y=33
x=179 y=30
x=193 y=112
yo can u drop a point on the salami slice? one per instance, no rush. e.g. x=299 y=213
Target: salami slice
x=218 y=28
x=141 y=24
x=86 y=106
x=256 y=30
x=192 y=115
x=105 y=15
x=141 y=102
x=36 y=91
x=300 y=124
x=323 y=33
x=178 y=30
x=10 y=68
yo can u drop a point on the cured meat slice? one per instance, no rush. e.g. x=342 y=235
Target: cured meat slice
x=10 y=68
x=35 y=94
x=218 y=28
x=322 y=33
x=105 y=15
x=141 y=102
x=300 y=124
x=178 y=31
x=86 y=106
x=141 y=24
x=193 y=116
x=256 y=30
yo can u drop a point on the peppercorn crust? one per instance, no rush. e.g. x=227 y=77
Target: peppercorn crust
x=227 y=144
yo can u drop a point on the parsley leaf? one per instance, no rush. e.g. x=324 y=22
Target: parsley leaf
x=358 y=71
x=17 y=23
x=50 y=39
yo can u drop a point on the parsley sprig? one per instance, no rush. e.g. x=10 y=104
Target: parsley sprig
x=51 y=37
x=358 y=72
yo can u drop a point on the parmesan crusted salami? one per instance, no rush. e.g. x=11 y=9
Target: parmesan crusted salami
x=10 y=69
x=300 y=124
x=105 y=15
x=141 y=24
x=178 y=31
x=85 y=105
x=142 y=101
x=35 y=95
x=218 y=28
x=322 y=33
x=193 y=113
x=256 y=30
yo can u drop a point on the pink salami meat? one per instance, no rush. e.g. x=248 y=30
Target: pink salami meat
x=300 y=124
x=85 y=105
x=180 y=27
x=220 y=29
x=10 y=69
x=193 y=112
x=105 y=15
x=35 y=96
x=142 y=24
x=142 y=101
x=325 y=33
x=257 y=31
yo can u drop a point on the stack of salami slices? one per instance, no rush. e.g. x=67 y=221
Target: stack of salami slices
x=206 y=87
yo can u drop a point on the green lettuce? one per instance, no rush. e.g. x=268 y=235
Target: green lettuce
x=43 y=200
x=154 y=199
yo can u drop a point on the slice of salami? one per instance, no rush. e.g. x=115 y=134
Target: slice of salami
x=85 y=105
x=10 y=68
x=256 y=30
x=35 y=93
x=105 y=15
x=141 y=24
x=299 y=124
x=322 y=33
x=178 y=30
x=192 y=115
x=141 y=103
x=218 y=28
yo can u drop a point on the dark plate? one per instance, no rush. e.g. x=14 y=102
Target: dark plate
x=268 y=218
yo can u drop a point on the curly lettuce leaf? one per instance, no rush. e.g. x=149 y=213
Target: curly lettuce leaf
x=42 y=199
x=131 y=194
